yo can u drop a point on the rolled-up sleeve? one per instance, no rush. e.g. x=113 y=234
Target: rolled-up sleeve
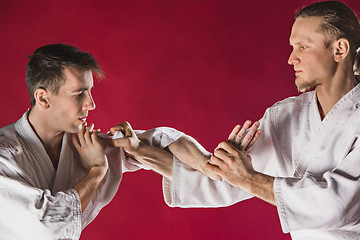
x=191 y=188
x=159 y=137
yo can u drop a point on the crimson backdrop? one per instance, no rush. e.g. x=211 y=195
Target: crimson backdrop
x=199 y=66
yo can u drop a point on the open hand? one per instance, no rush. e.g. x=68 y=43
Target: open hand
x=241 y=142
x=89 y=148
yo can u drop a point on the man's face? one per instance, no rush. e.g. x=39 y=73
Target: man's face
x=313 y=63
x=69 y=108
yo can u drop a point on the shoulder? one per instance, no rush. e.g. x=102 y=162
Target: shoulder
x=9 y=142
x=290 y=109
x=300 y=101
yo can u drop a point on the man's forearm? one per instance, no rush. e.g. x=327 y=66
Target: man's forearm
x=186 y=149
x=158 y=159
x=88 y=185
x=261 y=186
x=190 y=152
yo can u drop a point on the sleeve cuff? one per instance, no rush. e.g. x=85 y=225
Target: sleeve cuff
x=280 y=204
x=169 y=186
x=77 y=212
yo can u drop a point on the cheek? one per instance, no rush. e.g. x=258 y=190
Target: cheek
x=69 y=111
x=75 y=105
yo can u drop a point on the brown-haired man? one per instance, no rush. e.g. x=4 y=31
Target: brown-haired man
x=54 y=171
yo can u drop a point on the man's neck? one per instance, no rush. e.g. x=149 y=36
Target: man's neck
x=329 y=93
x=50 y=138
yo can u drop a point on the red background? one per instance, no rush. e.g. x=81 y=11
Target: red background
x=199 y=66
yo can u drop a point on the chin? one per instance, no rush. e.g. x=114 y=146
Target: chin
x=78 y=128
x=74 y=129
x=303 y=86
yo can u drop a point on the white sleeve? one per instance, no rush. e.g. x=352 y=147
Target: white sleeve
x=159 y=137
x=266 y=153
x=191 y=188
x=327 y=202
x=58 y=216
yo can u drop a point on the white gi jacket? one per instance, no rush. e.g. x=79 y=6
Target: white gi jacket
x=37 y=201
x=316 y=164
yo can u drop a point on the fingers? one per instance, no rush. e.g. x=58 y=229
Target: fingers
x=233 y=133
x=213 y=168
x=118 y=127
x=213 y=164
x=226 y=147
x=85 y=135
x=124 y=127
x=257 y=135
x=244 y=137
x=128 y=131
x=94 y=136
x=238 y=132
x=214 y=160
x=81 y=134
x=249 y=135
x=88 y=133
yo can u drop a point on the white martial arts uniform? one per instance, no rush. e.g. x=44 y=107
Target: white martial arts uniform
x=37 y=201
x=316 y=164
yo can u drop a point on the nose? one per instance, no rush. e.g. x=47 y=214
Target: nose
x=89 y=103
x=293 y=59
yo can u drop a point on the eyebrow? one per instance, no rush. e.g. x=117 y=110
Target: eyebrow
x=82 y=89
x=305 y=40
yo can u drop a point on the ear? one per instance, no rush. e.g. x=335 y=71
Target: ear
x=42 y=98
x=342 y=49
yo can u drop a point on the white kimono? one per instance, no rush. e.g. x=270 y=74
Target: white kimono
x=316 y=165
x=37 y=201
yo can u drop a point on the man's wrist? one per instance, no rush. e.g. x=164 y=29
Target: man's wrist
x=202 y=163
x=98 y=171
x=260 y=185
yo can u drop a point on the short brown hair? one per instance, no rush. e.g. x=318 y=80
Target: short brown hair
x=46 y=66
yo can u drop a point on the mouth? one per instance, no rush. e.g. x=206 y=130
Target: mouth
x=83 y=119
x=297 y=72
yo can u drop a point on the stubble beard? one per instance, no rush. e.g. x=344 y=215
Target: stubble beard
x=303 y=86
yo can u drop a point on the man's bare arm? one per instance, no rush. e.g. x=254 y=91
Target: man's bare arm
x=88 y=185
x=158 y=159
x=193 y=154
x=186 y=149
x=94 y=160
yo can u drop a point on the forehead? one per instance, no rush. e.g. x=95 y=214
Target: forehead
x=306 y=30
x=76 y=79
